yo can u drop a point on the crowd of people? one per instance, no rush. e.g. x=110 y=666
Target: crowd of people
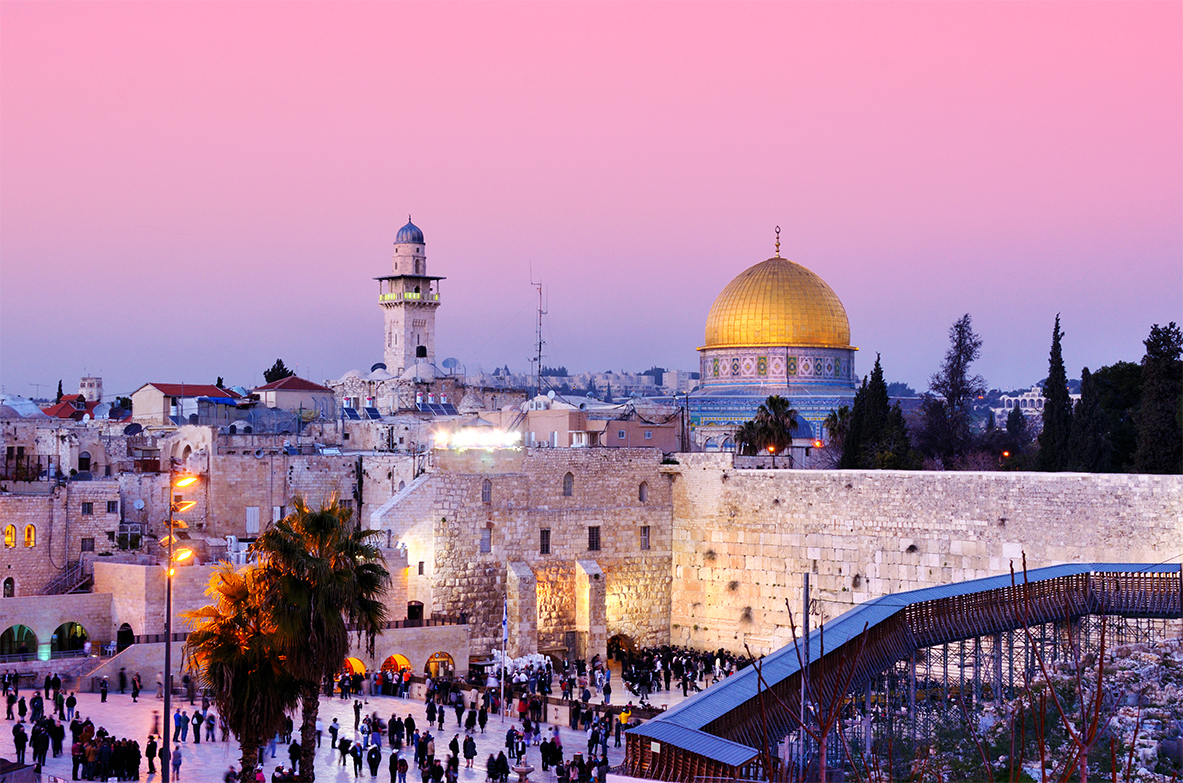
x=399 y=744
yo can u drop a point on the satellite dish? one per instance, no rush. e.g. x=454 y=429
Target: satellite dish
x=550 y=395
x=133 y=429
x=86 y=417
x=450 y=363
x=378 y=366
x=138 y=504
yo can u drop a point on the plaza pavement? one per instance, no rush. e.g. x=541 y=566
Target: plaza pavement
x=208 y=762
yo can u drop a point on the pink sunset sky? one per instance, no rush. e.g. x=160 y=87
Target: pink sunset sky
x=191 y=190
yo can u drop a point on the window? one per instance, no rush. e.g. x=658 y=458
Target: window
x=252 y=520
x=30 y=535
x=486 y=540
x=593 y=538
x=620 y=434
x=10 y=537
x=112 y=506
x=276 y=513
x=544 y=542
x=9 y=587
x=421 y=570
x=88 y=545
x=643 y=491
x=486 y=491
x=568 y=485
x=644 y=536
x=87 y=509
x=648 y=434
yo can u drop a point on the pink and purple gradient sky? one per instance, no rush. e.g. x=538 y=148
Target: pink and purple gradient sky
x=190 y=190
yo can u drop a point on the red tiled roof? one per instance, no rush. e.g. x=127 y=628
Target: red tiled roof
x=66 y=409
x=191 y=390
x=293 y=383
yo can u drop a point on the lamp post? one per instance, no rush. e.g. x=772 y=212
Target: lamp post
x=772 y=451
x=173 y=557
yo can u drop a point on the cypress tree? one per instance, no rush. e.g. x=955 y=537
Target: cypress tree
x=1057 y=410
x=1088 y=449
x=877 y=437
x=1160 y=437
x=59 y=397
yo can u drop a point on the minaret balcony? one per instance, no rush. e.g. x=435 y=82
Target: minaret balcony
x=399 y=296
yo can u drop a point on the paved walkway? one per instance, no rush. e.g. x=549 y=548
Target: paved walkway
x=207 y=762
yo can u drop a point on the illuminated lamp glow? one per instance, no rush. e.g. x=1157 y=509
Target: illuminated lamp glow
x=185 y=481
x=817 y=443
x=184 y=506
x=182 y=554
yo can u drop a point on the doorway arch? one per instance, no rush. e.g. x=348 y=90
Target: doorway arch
x=354 y=666
x=18 y=640
x=396 y=663
x=440 y=661
x=83 y=461
x=125 y=637
x=9 y=587
x=69 y=637
x=620 y=646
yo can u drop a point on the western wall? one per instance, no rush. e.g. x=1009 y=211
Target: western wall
x=742 y=538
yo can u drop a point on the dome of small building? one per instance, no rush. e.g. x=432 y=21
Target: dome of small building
x=471 y=403
x=9 y=412
x=777 y=302
x=409 y=233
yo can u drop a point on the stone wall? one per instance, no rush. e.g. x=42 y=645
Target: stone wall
x=441 y=518
x=742 y=538
x=90 y=610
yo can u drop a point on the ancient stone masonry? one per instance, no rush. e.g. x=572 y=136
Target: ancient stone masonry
x=543 y=510
x=742 y=538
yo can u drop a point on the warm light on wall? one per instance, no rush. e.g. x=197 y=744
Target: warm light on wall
x=478 y=438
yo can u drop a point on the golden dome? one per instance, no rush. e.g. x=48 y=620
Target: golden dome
x=777 y=302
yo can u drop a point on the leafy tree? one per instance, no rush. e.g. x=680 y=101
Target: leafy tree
x=1160 y=437
x=1057 y=410
x=1088 y=447
x=1119 y=394
x=59 y=397
x=947 y=413
x=220 y=384
x=233 y=651
x=1017 y=428
x=837 y=425
x=277 y=372
x=552 y=371
x=123 y=402
x=320 y=575
x=655 y=372
x=900 y=389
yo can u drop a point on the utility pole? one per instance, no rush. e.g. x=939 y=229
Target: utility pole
x=537 y=360
x=804 y=672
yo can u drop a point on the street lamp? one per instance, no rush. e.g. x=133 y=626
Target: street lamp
x=772 y=451
x=177 y=556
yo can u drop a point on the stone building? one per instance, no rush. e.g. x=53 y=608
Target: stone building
x=577 y=540
x=777 y=328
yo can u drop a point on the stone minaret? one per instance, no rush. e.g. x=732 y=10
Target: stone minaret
x=408 y=299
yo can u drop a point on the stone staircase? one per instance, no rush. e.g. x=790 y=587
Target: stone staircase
x=75 y=578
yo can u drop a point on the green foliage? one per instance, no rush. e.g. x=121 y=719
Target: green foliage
x=1119 y=393
x=123 y=402
x=278 y=371
x=900 y=389
x=1057 y=410
x=655 y=372
x=59 y=397
x=770 y=431
x=233 y=652
x=876 y=436
x=220 y=383
x=1088 y=445
x=947 y=413
x=1160 y=438
x=552 y=371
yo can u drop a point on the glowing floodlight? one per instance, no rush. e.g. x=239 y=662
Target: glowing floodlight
x=478 y=438
x=185 y=481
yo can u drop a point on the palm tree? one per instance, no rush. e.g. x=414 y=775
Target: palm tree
x=749 y=438
x=779 y=420
x=233 y=652
x=322 y=575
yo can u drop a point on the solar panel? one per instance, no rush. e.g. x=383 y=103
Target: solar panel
x=422 y=408
x=438 y=410
x=351 y=414
x=373 y=413
x=450 y=409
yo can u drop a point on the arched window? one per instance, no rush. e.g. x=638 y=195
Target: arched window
x=84 y=462
x=9 y=587
x=568 y=485
x=30 y=535
x=643 y=491
x=10 y=536
x=486 y=491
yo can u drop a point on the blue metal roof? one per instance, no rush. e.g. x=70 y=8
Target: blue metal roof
x=717 y=748
x=742 y=687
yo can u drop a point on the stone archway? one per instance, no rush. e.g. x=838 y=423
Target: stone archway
x=621 y=645
x=69 y=637
x=440 y=662
x=125 y=637
x=19 y=640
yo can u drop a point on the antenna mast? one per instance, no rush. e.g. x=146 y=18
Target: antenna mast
x=537 y=360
